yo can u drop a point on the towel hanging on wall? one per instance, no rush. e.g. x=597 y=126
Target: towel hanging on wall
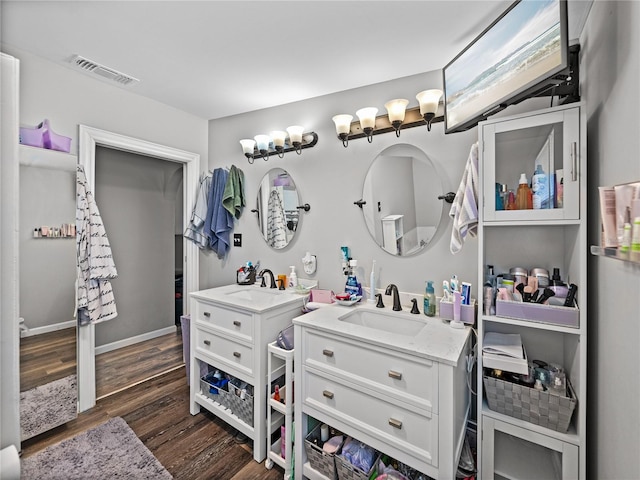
x=95 y=300
x=464 y=209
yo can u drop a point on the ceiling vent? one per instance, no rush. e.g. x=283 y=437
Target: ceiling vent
x=90 y=66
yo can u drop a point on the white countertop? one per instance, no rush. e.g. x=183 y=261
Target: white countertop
x=437 y=341
x=250 y=297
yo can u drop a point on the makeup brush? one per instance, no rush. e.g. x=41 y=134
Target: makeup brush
x=548 y=293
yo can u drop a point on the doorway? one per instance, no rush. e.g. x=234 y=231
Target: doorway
x=90 y=140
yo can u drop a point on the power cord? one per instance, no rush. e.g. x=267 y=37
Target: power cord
x=471 y=362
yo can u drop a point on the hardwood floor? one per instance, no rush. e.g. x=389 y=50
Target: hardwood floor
x=191 y=447
x=47 y=357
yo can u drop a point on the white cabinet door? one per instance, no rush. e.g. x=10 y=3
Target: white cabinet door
x=512 y=147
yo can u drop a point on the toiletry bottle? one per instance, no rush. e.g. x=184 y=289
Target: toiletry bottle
x=293 y=277
x=635 y=235
x=540 y=188
x=499 y=197
x=523 y=196
x=429 y=300
x=353 y=287
x=626 y=238
x=511 y=201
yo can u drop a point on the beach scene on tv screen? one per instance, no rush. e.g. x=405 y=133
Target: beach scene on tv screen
x=520 y=48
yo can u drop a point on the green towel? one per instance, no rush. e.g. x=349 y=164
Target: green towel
x=233 y=196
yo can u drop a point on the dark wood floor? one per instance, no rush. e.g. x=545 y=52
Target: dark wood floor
x=191 y=447
x=50 y=356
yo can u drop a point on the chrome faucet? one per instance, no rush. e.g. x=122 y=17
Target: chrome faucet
x=272 y=283
x=391 y=288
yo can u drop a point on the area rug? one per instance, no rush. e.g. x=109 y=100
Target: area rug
x=48 y=406
x=111 y=450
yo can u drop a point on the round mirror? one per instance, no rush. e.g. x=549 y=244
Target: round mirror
x=277 y=208
x=402 y=210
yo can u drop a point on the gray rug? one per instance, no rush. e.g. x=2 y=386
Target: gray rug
x=48 y=406
x=110 y=450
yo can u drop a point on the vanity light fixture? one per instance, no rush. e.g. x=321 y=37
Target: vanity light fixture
x=278 y=142
x=398 y=117
x=396 y=110
x=262 y=144
x=429 y=100
x=367 y=118
x=343 y=126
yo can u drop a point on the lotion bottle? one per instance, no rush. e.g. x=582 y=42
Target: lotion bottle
x=540 y=187
x=293 y=277
x=523 y=195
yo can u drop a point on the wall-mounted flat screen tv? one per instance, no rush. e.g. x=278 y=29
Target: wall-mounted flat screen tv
x=513 y=58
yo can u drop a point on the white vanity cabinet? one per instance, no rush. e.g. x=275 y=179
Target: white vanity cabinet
x=407 y=404
x=231 y=327
x=511 y=447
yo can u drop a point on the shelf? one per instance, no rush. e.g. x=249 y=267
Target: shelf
x=225 y=414
x=274 y=454
x=312 y=473
x=613 y=252
x=528 y=324
x=530 y=223
x=45 y=158
x=520 y=462
x=569 y=437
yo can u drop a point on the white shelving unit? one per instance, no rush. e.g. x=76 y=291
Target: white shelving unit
x=46 y=158
x=280 y=362
x=510 y=447
x=393 y=234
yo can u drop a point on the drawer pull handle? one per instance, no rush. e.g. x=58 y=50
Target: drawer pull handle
x=327 y=353
x=395 y=423
x=395 y=375
x=237 y=323
x=236 y=354
x=328 y=394
x=207 y=342
x=207 y=314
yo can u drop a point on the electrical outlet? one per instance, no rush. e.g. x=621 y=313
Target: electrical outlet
x=237 y=239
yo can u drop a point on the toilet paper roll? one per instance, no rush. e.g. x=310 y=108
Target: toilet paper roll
x=9 y=463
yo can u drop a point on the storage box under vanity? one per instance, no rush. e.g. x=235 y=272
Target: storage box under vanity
x=536 y=312
x=320 y=460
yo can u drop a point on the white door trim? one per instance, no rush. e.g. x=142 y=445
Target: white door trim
x=89 y=138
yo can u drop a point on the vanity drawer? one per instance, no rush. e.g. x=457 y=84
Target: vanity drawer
x=413 y=380
x=227 y=321
x=397 y=425
x=224 y=351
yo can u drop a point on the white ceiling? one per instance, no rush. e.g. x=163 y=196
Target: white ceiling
x=220 y=58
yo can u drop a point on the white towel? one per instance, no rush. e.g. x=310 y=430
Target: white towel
x=464 y=210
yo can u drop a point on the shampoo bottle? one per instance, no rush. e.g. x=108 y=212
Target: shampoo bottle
x=540 y=187
x=429 y=300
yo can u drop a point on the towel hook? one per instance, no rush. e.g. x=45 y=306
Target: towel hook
x=447 y=197
x=306 y=207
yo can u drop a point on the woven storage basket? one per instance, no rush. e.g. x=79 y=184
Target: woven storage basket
x=320 y=460
x=529 y=404
x=242 y=408
x=208 y=390
x=347 y=471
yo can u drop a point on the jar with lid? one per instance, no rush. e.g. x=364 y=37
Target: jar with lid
x=519 y=276
x=542 y=275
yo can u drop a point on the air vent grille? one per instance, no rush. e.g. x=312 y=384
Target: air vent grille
x=90 y=66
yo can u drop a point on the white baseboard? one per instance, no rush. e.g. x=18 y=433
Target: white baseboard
x=133 y=340
x=30 y=332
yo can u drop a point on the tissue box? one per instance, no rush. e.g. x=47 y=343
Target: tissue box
x=467 y=312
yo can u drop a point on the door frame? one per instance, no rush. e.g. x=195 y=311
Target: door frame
x=89 y=139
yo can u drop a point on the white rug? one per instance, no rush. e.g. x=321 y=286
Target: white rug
x=48 y=406
x=111 y=450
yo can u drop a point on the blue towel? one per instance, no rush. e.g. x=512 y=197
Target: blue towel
x=219 y=222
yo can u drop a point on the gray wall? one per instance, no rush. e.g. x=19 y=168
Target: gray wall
x=47 y=266
x=611 y=53
x=137 y=199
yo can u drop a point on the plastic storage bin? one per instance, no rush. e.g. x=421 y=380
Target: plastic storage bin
x=43 y=136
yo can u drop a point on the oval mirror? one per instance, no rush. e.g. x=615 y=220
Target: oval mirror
x=277 y=210
x=402 y=210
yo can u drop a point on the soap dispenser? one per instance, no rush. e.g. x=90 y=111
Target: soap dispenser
x=293 y=277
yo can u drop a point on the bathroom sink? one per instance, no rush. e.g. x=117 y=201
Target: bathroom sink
x=392 y=323
x=253 y=294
